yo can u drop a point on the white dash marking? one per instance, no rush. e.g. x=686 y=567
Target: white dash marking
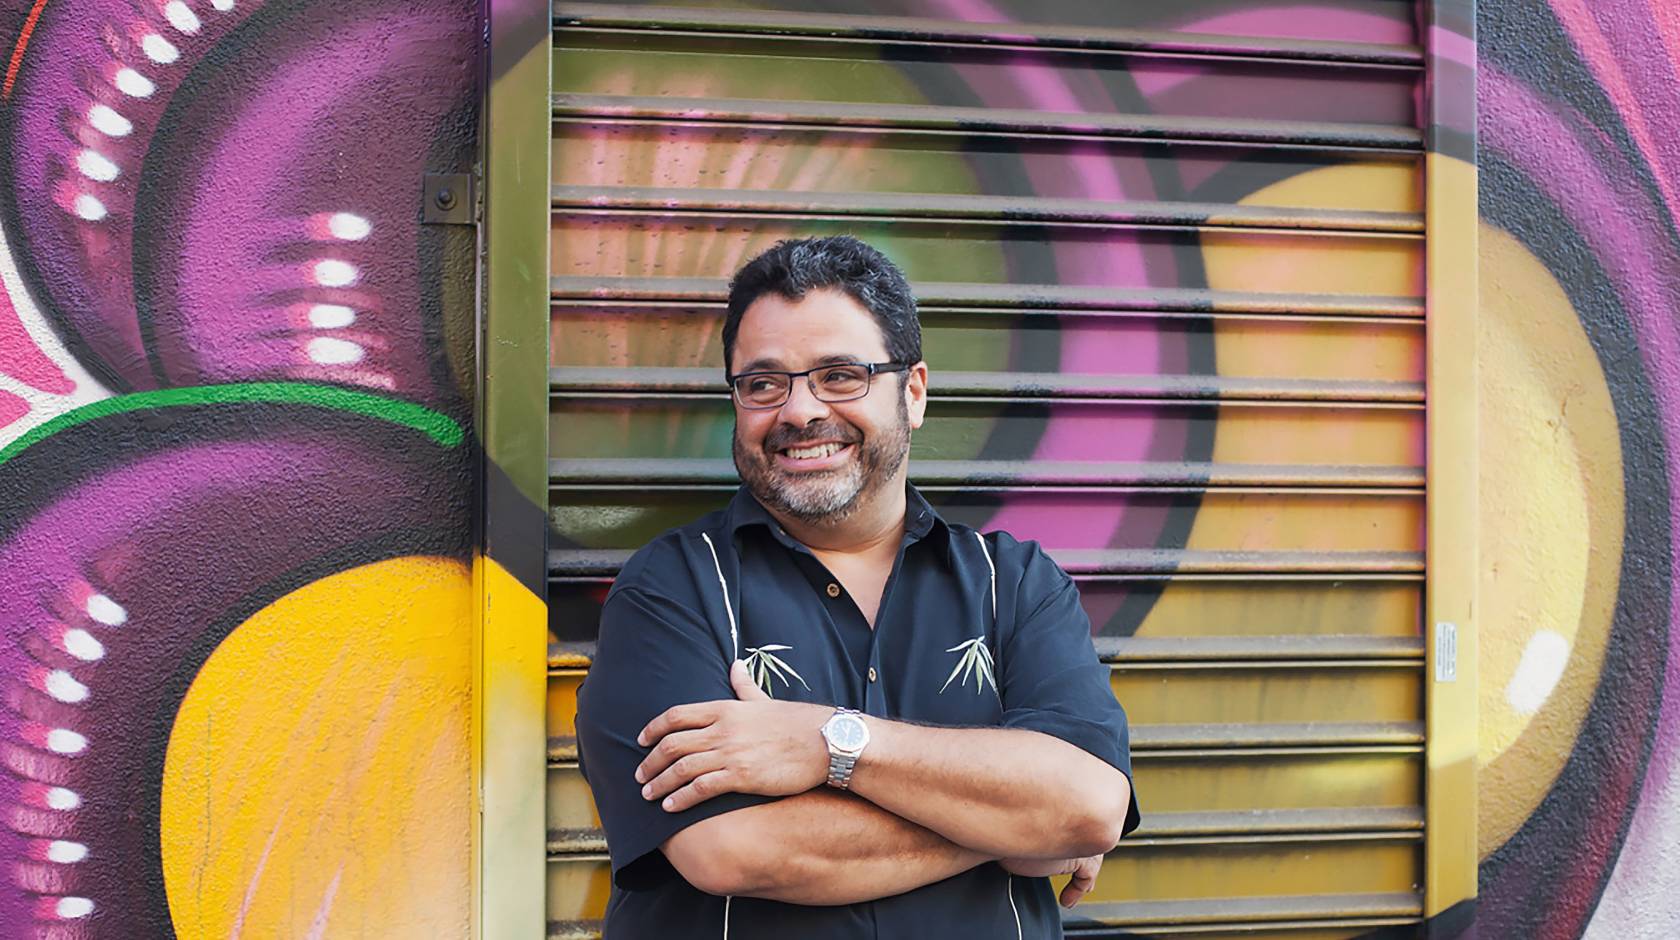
x=82 y=645
x=88 y=208
x=1537 y=674
x=331 y=316
x=64 y=687
x=107 y=121
x=65 y=741
x=182 y=17
x=66 y=853
x=331 y=272
x=63 y=799
x=331 y=351
x=108 y=612
x=73 y=908
x=96 y=166
x=349 y=226
x=159 y=49
x=133 y=84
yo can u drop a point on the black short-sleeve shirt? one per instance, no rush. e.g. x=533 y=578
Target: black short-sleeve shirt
x=971 y=631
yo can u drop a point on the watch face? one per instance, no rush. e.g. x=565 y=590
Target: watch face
x=847 y=732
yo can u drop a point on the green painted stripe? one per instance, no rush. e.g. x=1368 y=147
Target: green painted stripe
x=440 y=428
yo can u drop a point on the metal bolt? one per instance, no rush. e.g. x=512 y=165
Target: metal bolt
x=445 y=198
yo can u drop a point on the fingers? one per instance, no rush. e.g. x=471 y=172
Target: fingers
x=685 y=771
x=669 y=750
x=678 y=718
x=699 y=790
x=1084 y=879
x=1071 y=895
x=745 y=688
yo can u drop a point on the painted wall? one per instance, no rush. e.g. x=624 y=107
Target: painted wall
x=235 y=477
x=1579 y=797
x=234 y=386
x=1580 y=643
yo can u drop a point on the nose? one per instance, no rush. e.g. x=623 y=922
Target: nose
x=802 y=406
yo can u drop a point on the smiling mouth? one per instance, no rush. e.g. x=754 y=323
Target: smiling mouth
x=814 y=452
x=813 y=457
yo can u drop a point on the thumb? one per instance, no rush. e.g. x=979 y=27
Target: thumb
x=745 y=688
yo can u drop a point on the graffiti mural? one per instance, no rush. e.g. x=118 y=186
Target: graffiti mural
x=1580 y=701
x=236 y=482
x=1213 y=419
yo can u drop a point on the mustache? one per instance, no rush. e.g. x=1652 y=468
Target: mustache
x=783 y=437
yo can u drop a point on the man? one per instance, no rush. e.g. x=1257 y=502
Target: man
x=824 y=712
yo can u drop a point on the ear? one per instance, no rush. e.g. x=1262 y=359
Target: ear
x=916 y=393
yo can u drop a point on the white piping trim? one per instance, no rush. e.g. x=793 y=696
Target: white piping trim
x=1009 y=880
x=993 y=568
x=988 y=554
x=735 y=645
x=1010 y=888
x=730 y=898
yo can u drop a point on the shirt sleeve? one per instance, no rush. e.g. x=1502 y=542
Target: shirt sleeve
x=653 y=653
x=1053 y=681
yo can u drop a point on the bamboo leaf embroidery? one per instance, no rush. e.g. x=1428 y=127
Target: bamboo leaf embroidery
x=976 y=661
x=763 y=664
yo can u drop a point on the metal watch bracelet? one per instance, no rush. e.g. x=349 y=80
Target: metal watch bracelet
x=841 y=763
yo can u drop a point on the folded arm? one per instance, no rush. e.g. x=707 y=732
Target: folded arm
x=1000 y=792
x=825 y=847
x=820 y=847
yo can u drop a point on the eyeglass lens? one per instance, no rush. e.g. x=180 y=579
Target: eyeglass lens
x=836 y=383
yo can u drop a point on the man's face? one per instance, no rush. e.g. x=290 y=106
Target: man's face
x=813 y=460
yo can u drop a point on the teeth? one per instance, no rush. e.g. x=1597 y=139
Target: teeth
x=809 y=453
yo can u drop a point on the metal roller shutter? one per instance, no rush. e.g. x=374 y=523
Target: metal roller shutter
x=1170 y=265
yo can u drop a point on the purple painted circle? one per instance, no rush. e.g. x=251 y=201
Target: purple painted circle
x=164 y=531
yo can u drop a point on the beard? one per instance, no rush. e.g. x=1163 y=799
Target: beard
x=828 y=496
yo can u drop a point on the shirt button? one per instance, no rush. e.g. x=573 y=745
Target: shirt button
x=833 y=589
x=871 y=673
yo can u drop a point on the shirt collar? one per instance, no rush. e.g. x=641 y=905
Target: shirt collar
x=920 y=518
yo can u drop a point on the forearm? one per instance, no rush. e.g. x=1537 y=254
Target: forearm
x=1006 y=793
x=821 y=847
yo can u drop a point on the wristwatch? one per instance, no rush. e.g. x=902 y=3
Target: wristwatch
x=847 y=736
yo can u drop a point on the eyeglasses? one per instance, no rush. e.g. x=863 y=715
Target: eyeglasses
x=845 y=381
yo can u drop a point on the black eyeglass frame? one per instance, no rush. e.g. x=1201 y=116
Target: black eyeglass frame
x=875 y=368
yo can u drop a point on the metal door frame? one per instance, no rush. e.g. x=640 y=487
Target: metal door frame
x=511 y=416
x=1451 y=572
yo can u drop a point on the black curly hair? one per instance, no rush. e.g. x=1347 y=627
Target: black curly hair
x=838 y=262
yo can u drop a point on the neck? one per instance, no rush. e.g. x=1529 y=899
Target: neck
x=878 y=519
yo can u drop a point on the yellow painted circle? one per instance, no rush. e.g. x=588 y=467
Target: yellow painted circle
x=318 y=779
x=1550 y=532
x=1314 y=264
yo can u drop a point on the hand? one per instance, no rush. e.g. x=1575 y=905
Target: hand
x=752 y=745
x=1083 y=870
